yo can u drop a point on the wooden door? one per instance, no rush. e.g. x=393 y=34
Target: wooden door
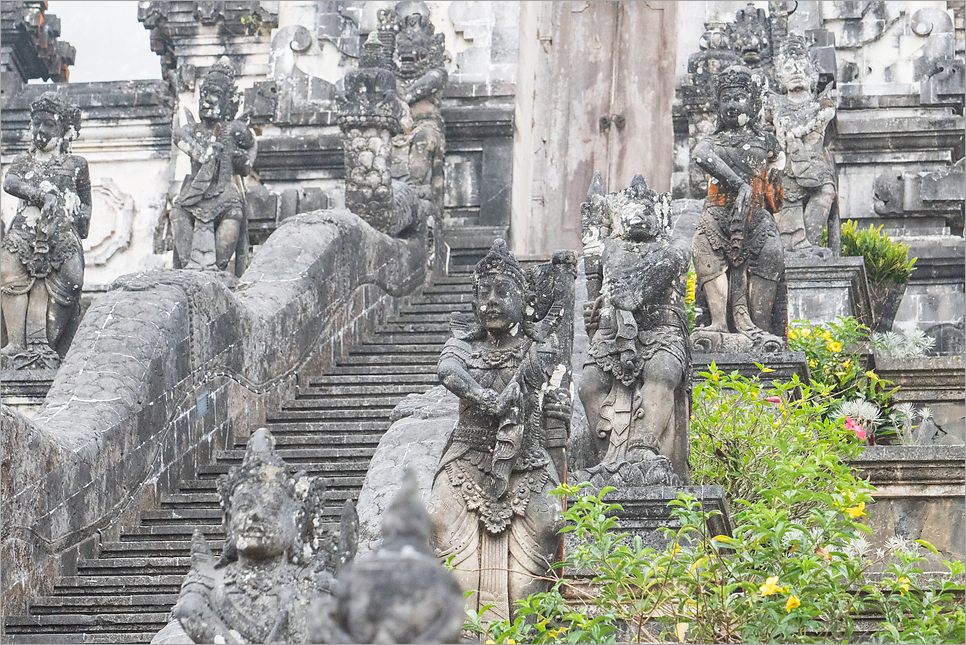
x=596 y=60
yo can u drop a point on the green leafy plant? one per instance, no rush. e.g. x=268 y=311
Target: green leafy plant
x=912 y=343
x=886 y=262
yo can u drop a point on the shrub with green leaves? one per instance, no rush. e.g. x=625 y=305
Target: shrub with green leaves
x=886 y=262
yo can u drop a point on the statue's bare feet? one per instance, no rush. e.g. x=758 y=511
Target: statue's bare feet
x=719 y=327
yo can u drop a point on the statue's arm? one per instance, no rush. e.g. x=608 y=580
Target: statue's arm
x=709 y=161
x=15 y=185
x=454 y=377
x=654 y=275
x=427 y=85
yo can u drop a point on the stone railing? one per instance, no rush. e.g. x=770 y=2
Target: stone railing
x=166 y=367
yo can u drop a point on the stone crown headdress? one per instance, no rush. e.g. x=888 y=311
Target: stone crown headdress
x=221 y=76
x=260 y=465
x=741 y=77
x=500 y=260
x=67 y=113
x=794 y=47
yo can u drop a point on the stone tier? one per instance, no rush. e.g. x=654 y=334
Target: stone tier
x=819 y=290
x=936 y=382
x=25 y=390
x=783 y=365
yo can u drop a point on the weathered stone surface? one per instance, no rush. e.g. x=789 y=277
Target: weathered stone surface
x=919 y=493
x=784 y=365
x=821 y=289
x=165 y=364
x=31 y=47
x=422 y=425
x=935 y=382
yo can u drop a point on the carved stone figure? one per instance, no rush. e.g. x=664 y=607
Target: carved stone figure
x=41 y=256
x=738 y=255
x=417 y=56
x=800 y=119
x=399 y=593
x=639 y=353
x=273 y=566
x=493 y=516
x=209 y=222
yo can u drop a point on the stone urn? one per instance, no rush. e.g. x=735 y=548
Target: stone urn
x=885 y=304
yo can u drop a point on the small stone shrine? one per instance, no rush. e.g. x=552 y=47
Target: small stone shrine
x=493 y=517
x=209 y=218
x=635 y=386
x=738 y=255
x=273 y=563
x=41 y=254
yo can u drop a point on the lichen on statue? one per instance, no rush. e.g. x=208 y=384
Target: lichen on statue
x=801 y=118
x=41 y=256
x=639 y=353
x=273 y=565
x=494 y=519
x=737 y=251
x=209 y=219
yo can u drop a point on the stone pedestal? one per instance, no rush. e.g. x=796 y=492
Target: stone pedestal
x=819 y=290
x=935 y=382
x=783 y=364
x=918 y=495
x=25 y=390
x=646 y=510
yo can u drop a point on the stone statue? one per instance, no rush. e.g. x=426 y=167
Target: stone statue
x=399 y=593
x=420 y=55
x=800 y=119
x=493 y=517
x=737 y=250
x=209 y=222
x=41 y=256
x=273 y=566
x=639 y=352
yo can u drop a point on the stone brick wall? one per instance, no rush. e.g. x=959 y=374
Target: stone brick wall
x=166 y=367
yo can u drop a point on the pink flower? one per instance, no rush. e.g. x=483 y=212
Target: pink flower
x=774 y=399
x=855 y=427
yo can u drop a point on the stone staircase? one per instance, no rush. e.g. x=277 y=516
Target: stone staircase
x=331 y=428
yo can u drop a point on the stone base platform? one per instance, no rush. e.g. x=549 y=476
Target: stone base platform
x=783 y=364
x=935 y=382
x=25 y=390
x=819 y=290
x=646 y=511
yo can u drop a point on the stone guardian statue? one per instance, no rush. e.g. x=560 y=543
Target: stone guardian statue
x=808 y=183
x=209 y=221
x=493 y=517
x=737 y=251
x=41 y=256
x=639 y=353
x=273 y=566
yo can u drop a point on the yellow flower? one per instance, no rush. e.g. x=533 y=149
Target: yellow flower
x=835 y=346
x=872 y=375
x=692 y=282
x=675 y=549
x=765 y=370
x=806 y=331
x=770 y=586
x=714 y=377
x=846 y=365
x=856 y=511
x=792 y=603
x=792 y=334
x=722 y=538
x=903 y=585
x=812 y=364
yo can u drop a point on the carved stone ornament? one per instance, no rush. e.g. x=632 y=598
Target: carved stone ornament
x=112 y=230
x=808 y=183
x=209 y=219
x=493 y=517
x=41 y=256
x=274 y=565
x=399 y=593
x=738 y=255
x=639 y=352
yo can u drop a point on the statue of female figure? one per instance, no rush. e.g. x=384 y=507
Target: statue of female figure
x=493 y=516
x=639 y=351
x=800 y=119
x=737 y=250
x=41 y=256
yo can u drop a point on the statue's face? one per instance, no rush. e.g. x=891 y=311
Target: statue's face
x=213 y=103
x=734 y=107
x=639 y=222
x=796 y=74
x=500 y=303
x=47 y=129
x=411 y=53
x=262 y=520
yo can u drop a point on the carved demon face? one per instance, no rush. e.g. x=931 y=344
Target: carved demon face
x=48 y=131
x=213 y=105
x=500 y=303
x=262 y=520
x=639 y=221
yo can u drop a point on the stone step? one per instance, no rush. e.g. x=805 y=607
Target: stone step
x=412 y=381
x=167 y=548
x=329 y=415
x=441 y=309
x=138 y=603
x=359 y=390
x=119 y=584
x=441 y=319
x=315 y=456
x=424 y=337
x=347 y=404
x=118 y=622
x=389 y=359
x=445 y=296
x=363 y=369
x=281 y=430
x=153 y=564
x=349 y=460
x=396 y=350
